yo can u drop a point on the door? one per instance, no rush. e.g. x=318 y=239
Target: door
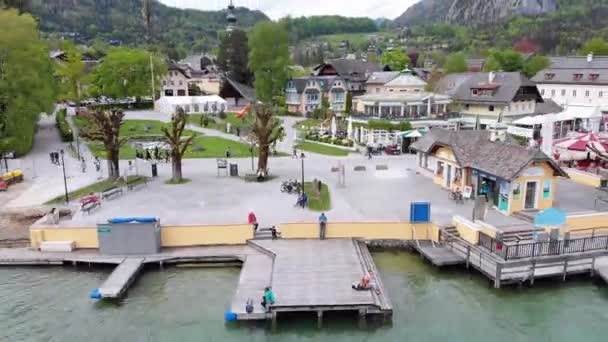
x=448 y=177
x=530 y=195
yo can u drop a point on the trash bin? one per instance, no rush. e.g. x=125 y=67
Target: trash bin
x=234 y=170
x=154 y=170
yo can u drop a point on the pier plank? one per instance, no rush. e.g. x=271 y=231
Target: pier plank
x=121 y=278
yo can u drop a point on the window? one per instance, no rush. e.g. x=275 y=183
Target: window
x=439 y=171
x=169 y=92
x=578 y=77
x=563 y=92
x=491 y=108
x=574 y=93
x=549 y=76
x=600 y=94
x=172 y=83
x=587 y=93
x=467 y=106
x=181 y=92
x=542 y=92
x=164 y=82
x=552 y=92
x=180 y=82
x=195 y=108
x=474 y=91
x=594 y=77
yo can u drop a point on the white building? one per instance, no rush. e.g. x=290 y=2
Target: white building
x=176 y=82
x=191 y=104
x=575 y=80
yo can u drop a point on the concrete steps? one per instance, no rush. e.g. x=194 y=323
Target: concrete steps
x=265 y=234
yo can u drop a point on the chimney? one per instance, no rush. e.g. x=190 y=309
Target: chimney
x=590 y=57
x=491 y=76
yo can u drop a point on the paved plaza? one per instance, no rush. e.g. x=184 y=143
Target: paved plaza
x=370 y=195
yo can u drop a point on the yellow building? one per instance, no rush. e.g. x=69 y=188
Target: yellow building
x=487 y=163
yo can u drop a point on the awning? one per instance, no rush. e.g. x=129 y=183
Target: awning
x=530 y=120
x=577 y=112
x=414 y=133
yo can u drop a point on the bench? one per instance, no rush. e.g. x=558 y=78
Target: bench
x=88 y=199
x=132 y=186
x=87 y=207
x=111 y=192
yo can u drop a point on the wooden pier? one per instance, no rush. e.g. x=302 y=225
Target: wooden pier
x=121 y=278
x=311 y=276
x=437 y=253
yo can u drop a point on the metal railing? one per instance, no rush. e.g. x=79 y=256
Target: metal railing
x=543 y=248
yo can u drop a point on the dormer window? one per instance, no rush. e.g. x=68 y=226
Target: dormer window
x=475 y=92
x=549 y=76
x=594 y=77
x=578 y=77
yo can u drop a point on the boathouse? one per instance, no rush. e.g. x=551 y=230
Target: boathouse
x=489 y=163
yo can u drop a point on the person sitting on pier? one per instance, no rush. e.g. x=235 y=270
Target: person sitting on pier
x=268 y=298
x=365 y=283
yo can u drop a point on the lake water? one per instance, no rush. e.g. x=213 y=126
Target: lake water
x=179 y=304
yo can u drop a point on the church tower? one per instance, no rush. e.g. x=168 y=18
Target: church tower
x=231 y=17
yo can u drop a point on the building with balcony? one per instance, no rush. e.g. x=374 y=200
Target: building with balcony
x=304 y=94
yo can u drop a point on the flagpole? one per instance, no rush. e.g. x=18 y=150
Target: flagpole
x=152 y=78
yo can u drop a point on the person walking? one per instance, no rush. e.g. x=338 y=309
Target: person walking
x=295 y=153
x=83 y=165
x=322 y=226
x=253 y=220
x=269 y=298
x=52 y=156
x=228 y=152
x=273 y=230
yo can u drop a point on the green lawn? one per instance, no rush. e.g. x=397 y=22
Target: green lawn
x=322 y=149
x=97 y=187
x=131 y=128
x=216 y=122
x=308 y=123
x=322 y=202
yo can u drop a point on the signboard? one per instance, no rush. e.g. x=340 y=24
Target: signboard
x=104 y=229
x=520 y=131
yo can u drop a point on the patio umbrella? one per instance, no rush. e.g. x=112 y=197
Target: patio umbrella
x=581 y=142
x=415 y=133
x=334 y=128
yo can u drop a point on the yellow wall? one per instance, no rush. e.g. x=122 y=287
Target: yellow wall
x=383 y=231
x=584 y=178
x=197 y=235
x=446 y=155
x=487 y=229
x=585 y=221
x=543 y=203
x=82 y=237
x=171 y=236
x=299 y=230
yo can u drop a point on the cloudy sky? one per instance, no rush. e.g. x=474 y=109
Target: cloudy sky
x=280 y=8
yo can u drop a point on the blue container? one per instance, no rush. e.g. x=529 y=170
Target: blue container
x=94 y=294
x=118 y=220
x=229 y=316
x=420 y=212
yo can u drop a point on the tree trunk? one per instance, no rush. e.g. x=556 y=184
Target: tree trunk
x=113 y=168
x=177 y=168
x=263 y=159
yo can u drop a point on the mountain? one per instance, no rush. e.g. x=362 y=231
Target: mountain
x=472 y=12
x=121 y=21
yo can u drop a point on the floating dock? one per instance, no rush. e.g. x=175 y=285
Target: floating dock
x=121 y=278
x=437 y=254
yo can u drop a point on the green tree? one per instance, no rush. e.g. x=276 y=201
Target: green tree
x=70 y=74
x=173 y=136
x=491 y=64
x=348 y=106
x=455 y=62
x=509 y=60
x=27 y=85
x=596 y=46
x=127 y=72
x=395 y=59
x=233 y=56
x=535 y=64
x=269 y=60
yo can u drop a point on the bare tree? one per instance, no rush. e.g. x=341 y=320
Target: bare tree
x=173 y=136
x=106 y=128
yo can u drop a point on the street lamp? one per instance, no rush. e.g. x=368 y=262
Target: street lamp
x=78 y=145
x=302 y=157
x=251 y=150
x=65 y=180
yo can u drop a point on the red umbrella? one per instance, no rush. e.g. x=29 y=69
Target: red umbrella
x=581 y=142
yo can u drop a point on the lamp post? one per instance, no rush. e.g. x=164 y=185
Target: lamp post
x=302 y=157
x=65 y=180
x=251 y=150
x=78 y=145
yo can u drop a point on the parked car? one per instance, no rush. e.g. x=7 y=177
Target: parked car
x=393 y=150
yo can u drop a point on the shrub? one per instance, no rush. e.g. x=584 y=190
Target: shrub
x=205 y=121
x=222 y=115
x=65 y=131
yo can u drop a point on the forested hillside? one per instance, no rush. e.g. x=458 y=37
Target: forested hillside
x=306 y=27
x=176 y=31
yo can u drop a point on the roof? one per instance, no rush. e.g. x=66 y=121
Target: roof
x=563 y=69
x=507 y=85
x=247 y=92
x=324 y=81
x=181 y=68
x=351 y=68
x=406 y=80
x=474 y=149
x=450 y=82
x=401 y=97
x=547 y=107
x=382 y=77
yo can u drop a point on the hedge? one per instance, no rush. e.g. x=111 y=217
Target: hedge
x=65 y=131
